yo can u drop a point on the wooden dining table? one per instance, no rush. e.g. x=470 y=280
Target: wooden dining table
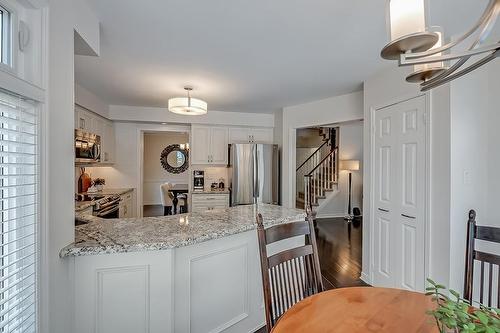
x=360 y=309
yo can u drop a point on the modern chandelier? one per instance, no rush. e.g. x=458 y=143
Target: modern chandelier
x=187 y=105
x=415 y=44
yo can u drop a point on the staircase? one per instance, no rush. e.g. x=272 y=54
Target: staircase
x=317 y=176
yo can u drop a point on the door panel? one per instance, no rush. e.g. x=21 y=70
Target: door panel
x=399 y=205
x=385 y=145
x=384 y=250
x=385 y=174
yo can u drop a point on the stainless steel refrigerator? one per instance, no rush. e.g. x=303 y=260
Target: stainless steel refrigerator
x=254 y=173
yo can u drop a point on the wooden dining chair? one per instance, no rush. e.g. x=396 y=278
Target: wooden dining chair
x=491 y=261
x=291 y=275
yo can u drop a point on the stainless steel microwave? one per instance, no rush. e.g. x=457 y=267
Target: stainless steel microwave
x=87 y=147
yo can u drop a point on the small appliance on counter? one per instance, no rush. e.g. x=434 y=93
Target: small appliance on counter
x=198 y=181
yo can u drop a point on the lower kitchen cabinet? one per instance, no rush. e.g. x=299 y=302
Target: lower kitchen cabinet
x=213 y=286
x=127 y=204
x=204 y=201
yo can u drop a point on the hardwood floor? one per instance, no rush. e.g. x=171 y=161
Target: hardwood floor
x=152 y=210
x=339 y=249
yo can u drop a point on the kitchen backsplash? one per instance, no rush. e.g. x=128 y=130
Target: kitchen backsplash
x=214 y=174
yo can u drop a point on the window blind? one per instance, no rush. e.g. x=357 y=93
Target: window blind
x=19 y=209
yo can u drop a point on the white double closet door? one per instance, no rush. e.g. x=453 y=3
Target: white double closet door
x=399 y=195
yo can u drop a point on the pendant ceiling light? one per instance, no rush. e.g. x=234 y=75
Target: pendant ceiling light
x=415 y=44
x=187 y=105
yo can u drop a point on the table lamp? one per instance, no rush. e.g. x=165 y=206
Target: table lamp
x=349 y=165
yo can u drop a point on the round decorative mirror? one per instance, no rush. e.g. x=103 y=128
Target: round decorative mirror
x=174 y=159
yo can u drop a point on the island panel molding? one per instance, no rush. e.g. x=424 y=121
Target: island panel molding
x=103 y=306
x=112 y=302
x=180 y=271
x=232 y=277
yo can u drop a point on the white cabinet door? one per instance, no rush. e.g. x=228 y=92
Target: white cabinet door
x=262 y=135
x=97 y=125
x=200 y=144
x=399 y=212
x=108 y=143
x=239 y=135
x=218 y=145
x=83 y=119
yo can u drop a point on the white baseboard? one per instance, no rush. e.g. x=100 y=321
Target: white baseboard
x=329 y=216
x=365 y=278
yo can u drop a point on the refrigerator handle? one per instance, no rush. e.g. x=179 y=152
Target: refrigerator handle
x=256 y=174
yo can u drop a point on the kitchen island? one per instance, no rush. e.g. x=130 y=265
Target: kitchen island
x=196 y=272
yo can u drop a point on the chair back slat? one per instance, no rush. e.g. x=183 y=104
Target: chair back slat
x=489 y=262
x=487 y=257
x=286 y=256
x=290 y=275
x=490 y=234
x=284 y=231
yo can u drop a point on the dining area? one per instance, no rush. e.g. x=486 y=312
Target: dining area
x=174 y=198
x=296 y=299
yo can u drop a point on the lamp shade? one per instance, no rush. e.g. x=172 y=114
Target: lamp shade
x=350 y=165
x=406 y=17
x=187 y=106
x=432 y=65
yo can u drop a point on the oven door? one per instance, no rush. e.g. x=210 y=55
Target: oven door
x=109 y=212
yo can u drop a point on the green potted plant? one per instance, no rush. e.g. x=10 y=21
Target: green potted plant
x=99 y=183
x=453 y=314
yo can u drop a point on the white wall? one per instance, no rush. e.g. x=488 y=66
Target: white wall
x=387 y=87
x=162 y=115
x=328 y=111
x=90 y=101
x=58 y=140
x=154 y=173
x=350 y=148
x=475 y=159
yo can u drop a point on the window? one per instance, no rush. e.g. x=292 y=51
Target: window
x=19 y=215
x=5 y=36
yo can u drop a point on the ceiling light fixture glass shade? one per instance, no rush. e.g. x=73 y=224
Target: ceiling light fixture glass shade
x=406 y=17
x=414 y=44
x=187 y=105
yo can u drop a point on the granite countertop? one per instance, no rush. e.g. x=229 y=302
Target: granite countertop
x=110 y=191
x=224 y=191
x=82 y=205
x=101 y=236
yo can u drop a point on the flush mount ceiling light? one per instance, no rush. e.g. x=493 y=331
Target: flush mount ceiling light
x=414 y=44
x=187 y=105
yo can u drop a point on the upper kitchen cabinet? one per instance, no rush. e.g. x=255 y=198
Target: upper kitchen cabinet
x=209 y=145
x=83 y=119
x=108 y=143
x=91 y=122
x=250 y=135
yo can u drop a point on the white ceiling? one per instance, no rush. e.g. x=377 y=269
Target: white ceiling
x=243 y=55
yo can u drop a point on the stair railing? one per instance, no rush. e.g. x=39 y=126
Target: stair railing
x=321 y=179
x=329 y=142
